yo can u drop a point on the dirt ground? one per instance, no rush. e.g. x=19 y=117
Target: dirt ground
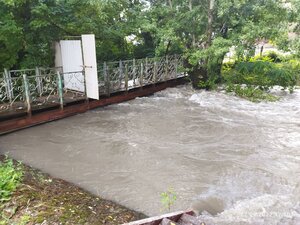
x=42 y=199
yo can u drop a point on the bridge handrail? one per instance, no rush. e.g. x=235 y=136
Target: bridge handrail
x=23 y=90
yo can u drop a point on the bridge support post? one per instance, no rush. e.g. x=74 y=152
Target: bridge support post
x=60 y=90
x=176 y=66
x=106 y=77
x=38 y=81
x=27 y=94
x=166 y=69
x=126 y=77
x=142 y=76
x=155 y=73
x=8 y=87
x=134 y=72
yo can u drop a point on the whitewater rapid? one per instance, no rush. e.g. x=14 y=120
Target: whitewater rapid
x=235 y=161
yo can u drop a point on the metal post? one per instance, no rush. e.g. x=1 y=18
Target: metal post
x=142 y=75
x=85 y=87
x=8 y=86
x=120 y=72
x=166 y=69
x=60 y=90
x=27 y=94
x=106 y=77
x=146 y=70
x=126 y=77
x=155 y=72
x=38 y=80
x=134 y=71
x=176 y=66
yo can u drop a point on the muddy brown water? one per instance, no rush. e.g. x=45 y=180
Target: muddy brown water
x=236 y=160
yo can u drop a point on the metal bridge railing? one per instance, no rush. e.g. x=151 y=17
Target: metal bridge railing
x=26 y=90
x=129 y=74
x=34 y=92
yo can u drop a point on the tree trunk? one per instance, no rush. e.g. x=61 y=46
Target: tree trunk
x=201 y=72
x=261 y=50
x=196 y=73
x=210 y=23
x=193 y=35
x=204 y=71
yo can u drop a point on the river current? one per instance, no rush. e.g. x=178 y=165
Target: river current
x=235 y=161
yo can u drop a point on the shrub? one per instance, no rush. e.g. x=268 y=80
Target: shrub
x=263 y=74
x=210 y=84
x=10 y=177
x=275 y=57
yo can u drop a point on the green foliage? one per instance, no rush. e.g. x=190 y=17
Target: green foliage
x=274 y=56
x=264 y=58
x=264 y=74
x=10 y=177
x=28 y=29
x=168 y=199
x=252 y=79
x=209 y=84
x=270 y=56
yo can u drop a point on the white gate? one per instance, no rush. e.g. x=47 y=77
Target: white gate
x=78 y=56
x=72 y=62
x=90 y=65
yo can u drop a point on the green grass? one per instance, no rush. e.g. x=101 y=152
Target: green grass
x=10 y=177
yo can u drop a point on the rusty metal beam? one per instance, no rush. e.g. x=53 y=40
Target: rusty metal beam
x=22 y=122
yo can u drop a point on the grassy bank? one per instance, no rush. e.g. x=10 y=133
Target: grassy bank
x=29 y=196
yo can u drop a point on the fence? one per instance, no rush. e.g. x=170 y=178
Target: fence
x=26 y=90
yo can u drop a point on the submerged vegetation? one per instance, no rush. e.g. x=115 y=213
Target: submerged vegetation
x=29 y=196
x=168 y=199
x=254 y=78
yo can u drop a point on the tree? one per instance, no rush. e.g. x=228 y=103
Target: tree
x=30 y=27
x=294 y=42
x=10 y=36
x=201 y=30
x=205 y=30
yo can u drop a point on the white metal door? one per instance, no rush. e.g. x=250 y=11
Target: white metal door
x=72 y=62
x=90 y=65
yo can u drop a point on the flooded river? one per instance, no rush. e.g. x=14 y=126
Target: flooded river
x=237 y=160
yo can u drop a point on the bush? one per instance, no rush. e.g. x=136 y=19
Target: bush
x=263 y=74
x=275 y=57
x=10 y=177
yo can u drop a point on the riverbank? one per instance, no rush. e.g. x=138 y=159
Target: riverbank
x=42 y=199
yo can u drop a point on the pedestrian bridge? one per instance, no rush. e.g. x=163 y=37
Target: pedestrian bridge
x=33 y=96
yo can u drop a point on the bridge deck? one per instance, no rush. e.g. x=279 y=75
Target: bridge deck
x=17 y=120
